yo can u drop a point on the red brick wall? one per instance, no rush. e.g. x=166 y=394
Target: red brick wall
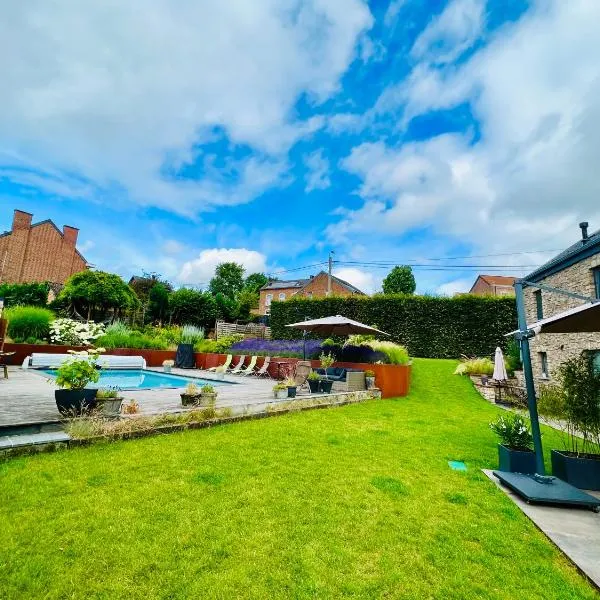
x=39 y=253
x=318 y=287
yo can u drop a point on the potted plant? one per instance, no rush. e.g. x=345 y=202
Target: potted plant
x=168 y=365
x=314 y=381
x=370 y=379
x=208 y=395
x=327 y=361
x=575 y=403
x=290 y=384
x=109 y=401
x=73 y=377
x=280 y=391
x=514 y=450
x=191 y=395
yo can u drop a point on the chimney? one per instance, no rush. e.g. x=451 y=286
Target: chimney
x=584 y=230
x=21 y=220
x=70 y=234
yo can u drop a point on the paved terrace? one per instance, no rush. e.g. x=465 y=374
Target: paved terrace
x=27 y=396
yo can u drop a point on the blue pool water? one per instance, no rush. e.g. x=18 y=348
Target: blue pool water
x=139 y=379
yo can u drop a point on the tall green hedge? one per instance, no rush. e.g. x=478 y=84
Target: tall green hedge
x=24 y=294
x=428 y=326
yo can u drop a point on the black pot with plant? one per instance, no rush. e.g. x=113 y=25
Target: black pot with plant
x=574 y=403
x=314 y=382
x=327 y=361
x=292 y=387
x=515 y=454
x=73 y=376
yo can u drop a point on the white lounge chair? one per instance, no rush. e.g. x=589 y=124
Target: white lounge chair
x=225 y=365
x=238 y=367
x=250 y=368
x=264 y=369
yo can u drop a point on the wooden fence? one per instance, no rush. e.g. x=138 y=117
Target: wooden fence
x=253 y=330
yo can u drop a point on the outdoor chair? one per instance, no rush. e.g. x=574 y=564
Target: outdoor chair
x=250 y=368
x=238 y=367
x=264 y=369
x=303 y=369
x=225 y=365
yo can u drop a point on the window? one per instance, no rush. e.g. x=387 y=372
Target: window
x=268 y=299
x=282 y=296
x=596 y=273
x=596 y=360
x=544 y=361
x=539 y=307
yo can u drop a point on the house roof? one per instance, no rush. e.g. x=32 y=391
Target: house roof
x=504 y=280
x=302 y=283
x=573 y=254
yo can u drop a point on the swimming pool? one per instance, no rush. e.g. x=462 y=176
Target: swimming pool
x=140 y=379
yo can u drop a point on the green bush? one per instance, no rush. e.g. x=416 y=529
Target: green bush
x=219 y=346
x=132 y=339
x=396 y=354
x=28 y=322
x=25 y=294
x=432 y=327
x=513 y=432
x=475 y=366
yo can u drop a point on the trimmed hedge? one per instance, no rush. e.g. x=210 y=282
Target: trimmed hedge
x=430 y=327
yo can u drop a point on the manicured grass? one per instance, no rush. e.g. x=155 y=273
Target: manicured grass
x=354 y=502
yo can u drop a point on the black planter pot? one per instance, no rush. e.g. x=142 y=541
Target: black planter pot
x=326 y=386
x=75 y=402
x=581 y=471
x=314 y=386
x=184 y=359
x=291 y=392
x=516 y=461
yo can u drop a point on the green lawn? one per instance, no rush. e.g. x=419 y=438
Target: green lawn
x=352 y=502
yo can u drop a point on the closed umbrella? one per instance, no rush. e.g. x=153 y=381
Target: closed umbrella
x=499 y=367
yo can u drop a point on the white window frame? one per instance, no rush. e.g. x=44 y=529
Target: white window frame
x=281 y=296
x=268 y=299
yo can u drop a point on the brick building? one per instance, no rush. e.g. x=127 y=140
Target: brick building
x=38 y=252
x=493 y=285
x=313 y=287
x=577 y=269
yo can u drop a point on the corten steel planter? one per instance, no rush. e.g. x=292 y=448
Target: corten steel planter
x=75 y=402
x=581 y=471
x=516 y=461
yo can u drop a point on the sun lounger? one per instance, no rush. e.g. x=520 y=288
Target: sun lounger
x=250 y=368
x=264 y=369
x=225 y=365
x=238 y=367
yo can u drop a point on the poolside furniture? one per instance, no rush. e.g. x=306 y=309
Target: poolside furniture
x=39 y=360
x=238 y=367
x=301 y=374
x=264 y=369
x=250 y=368
x=225 y=365
x=345 y=380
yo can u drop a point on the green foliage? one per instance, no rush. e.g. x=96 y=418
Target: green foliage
x=223 y=344
x=551 y=401
x=227 y=308
x=77 y=372
x=193 y=307
x=400 y=280
x=513 y=357
x=132 y=339
x=246 y=300
x=396 y=354
x=143 y=285
x=475 y=366
x=24 y=294
x=190 y=334
x=255 y=281
x=427 y=326
x=513 y=432
x=28 y=322
x=91 y=292
x=326 y=360
x=228 y=280
x=158 y=302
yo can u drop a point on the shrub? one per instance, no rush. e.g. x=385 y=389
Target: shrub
x=287 y=348
x=24 y=294
x=76 y=372
x=397 y=355
x=190 y=334
x=475 y=366
x=218 y=346
x=75 y=333
x=133 y=339
x=28 y=322
x=513 y=432
x=432 y=327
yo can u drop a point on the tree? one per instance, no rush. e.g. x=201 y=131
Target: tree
x=158 y=302
x=255 y=281
x=228 y=280
x=94 y=293
x=400 y=280
x=144 y=284
x=24 y=294
x=227 y=308
x=247 y=299
x=193 y=307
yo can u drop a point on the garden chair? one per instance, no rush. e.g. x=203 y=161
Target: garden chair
x=3 y=355
x=303 y=369
x=250 y=368
x=225 y=365
x=264 y=370
x=238 y=367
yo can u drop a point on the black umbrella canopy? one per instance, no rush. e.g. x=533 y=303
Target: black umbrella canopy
x=338 y=325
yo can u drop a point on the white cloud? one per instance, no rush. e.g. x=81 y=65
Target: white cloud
x=173 y=247
x=364 y=281
x=391 y=14
x=113 y=92
x=200 y=270
x=531 y=177
x=457 y=286
x=317 y=176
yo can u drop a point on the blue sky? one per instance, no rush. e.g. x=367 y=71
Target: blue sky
x=179 y=134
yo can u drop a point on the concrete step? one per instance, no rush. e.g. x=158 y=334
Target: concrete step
x=20 y=440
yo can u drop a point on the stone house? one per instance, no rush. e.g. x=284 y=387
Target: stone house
x=39 y=252
x=493 y=285
x=576 y=269
x=314 y=287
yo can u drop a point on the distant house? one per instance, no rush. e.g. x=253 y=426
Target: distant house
x=493 y=285
x=576 y=269
x=313 y=287
x=39 y=252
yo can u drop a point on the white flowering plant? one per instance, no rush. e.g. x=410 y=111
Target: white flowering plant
x=75 y=333
x=513 y=432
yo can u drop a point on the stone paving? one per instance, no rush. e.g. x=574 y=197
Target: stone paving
x=27 y=396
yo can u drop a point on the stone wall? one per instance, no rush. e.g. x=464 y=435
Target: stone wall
x=578 y=278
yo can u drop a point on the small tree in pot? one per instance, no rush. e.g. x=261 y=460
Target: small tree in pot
x=73 y=377
x=327 y=361
x=514 y=450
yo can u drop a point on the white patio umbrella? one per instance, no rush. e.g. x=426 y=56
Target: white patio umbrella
x=337 y=325
x=500 y=373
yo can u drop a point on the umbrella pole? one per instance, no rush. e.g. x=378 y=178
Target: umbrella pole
x=523 y=336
